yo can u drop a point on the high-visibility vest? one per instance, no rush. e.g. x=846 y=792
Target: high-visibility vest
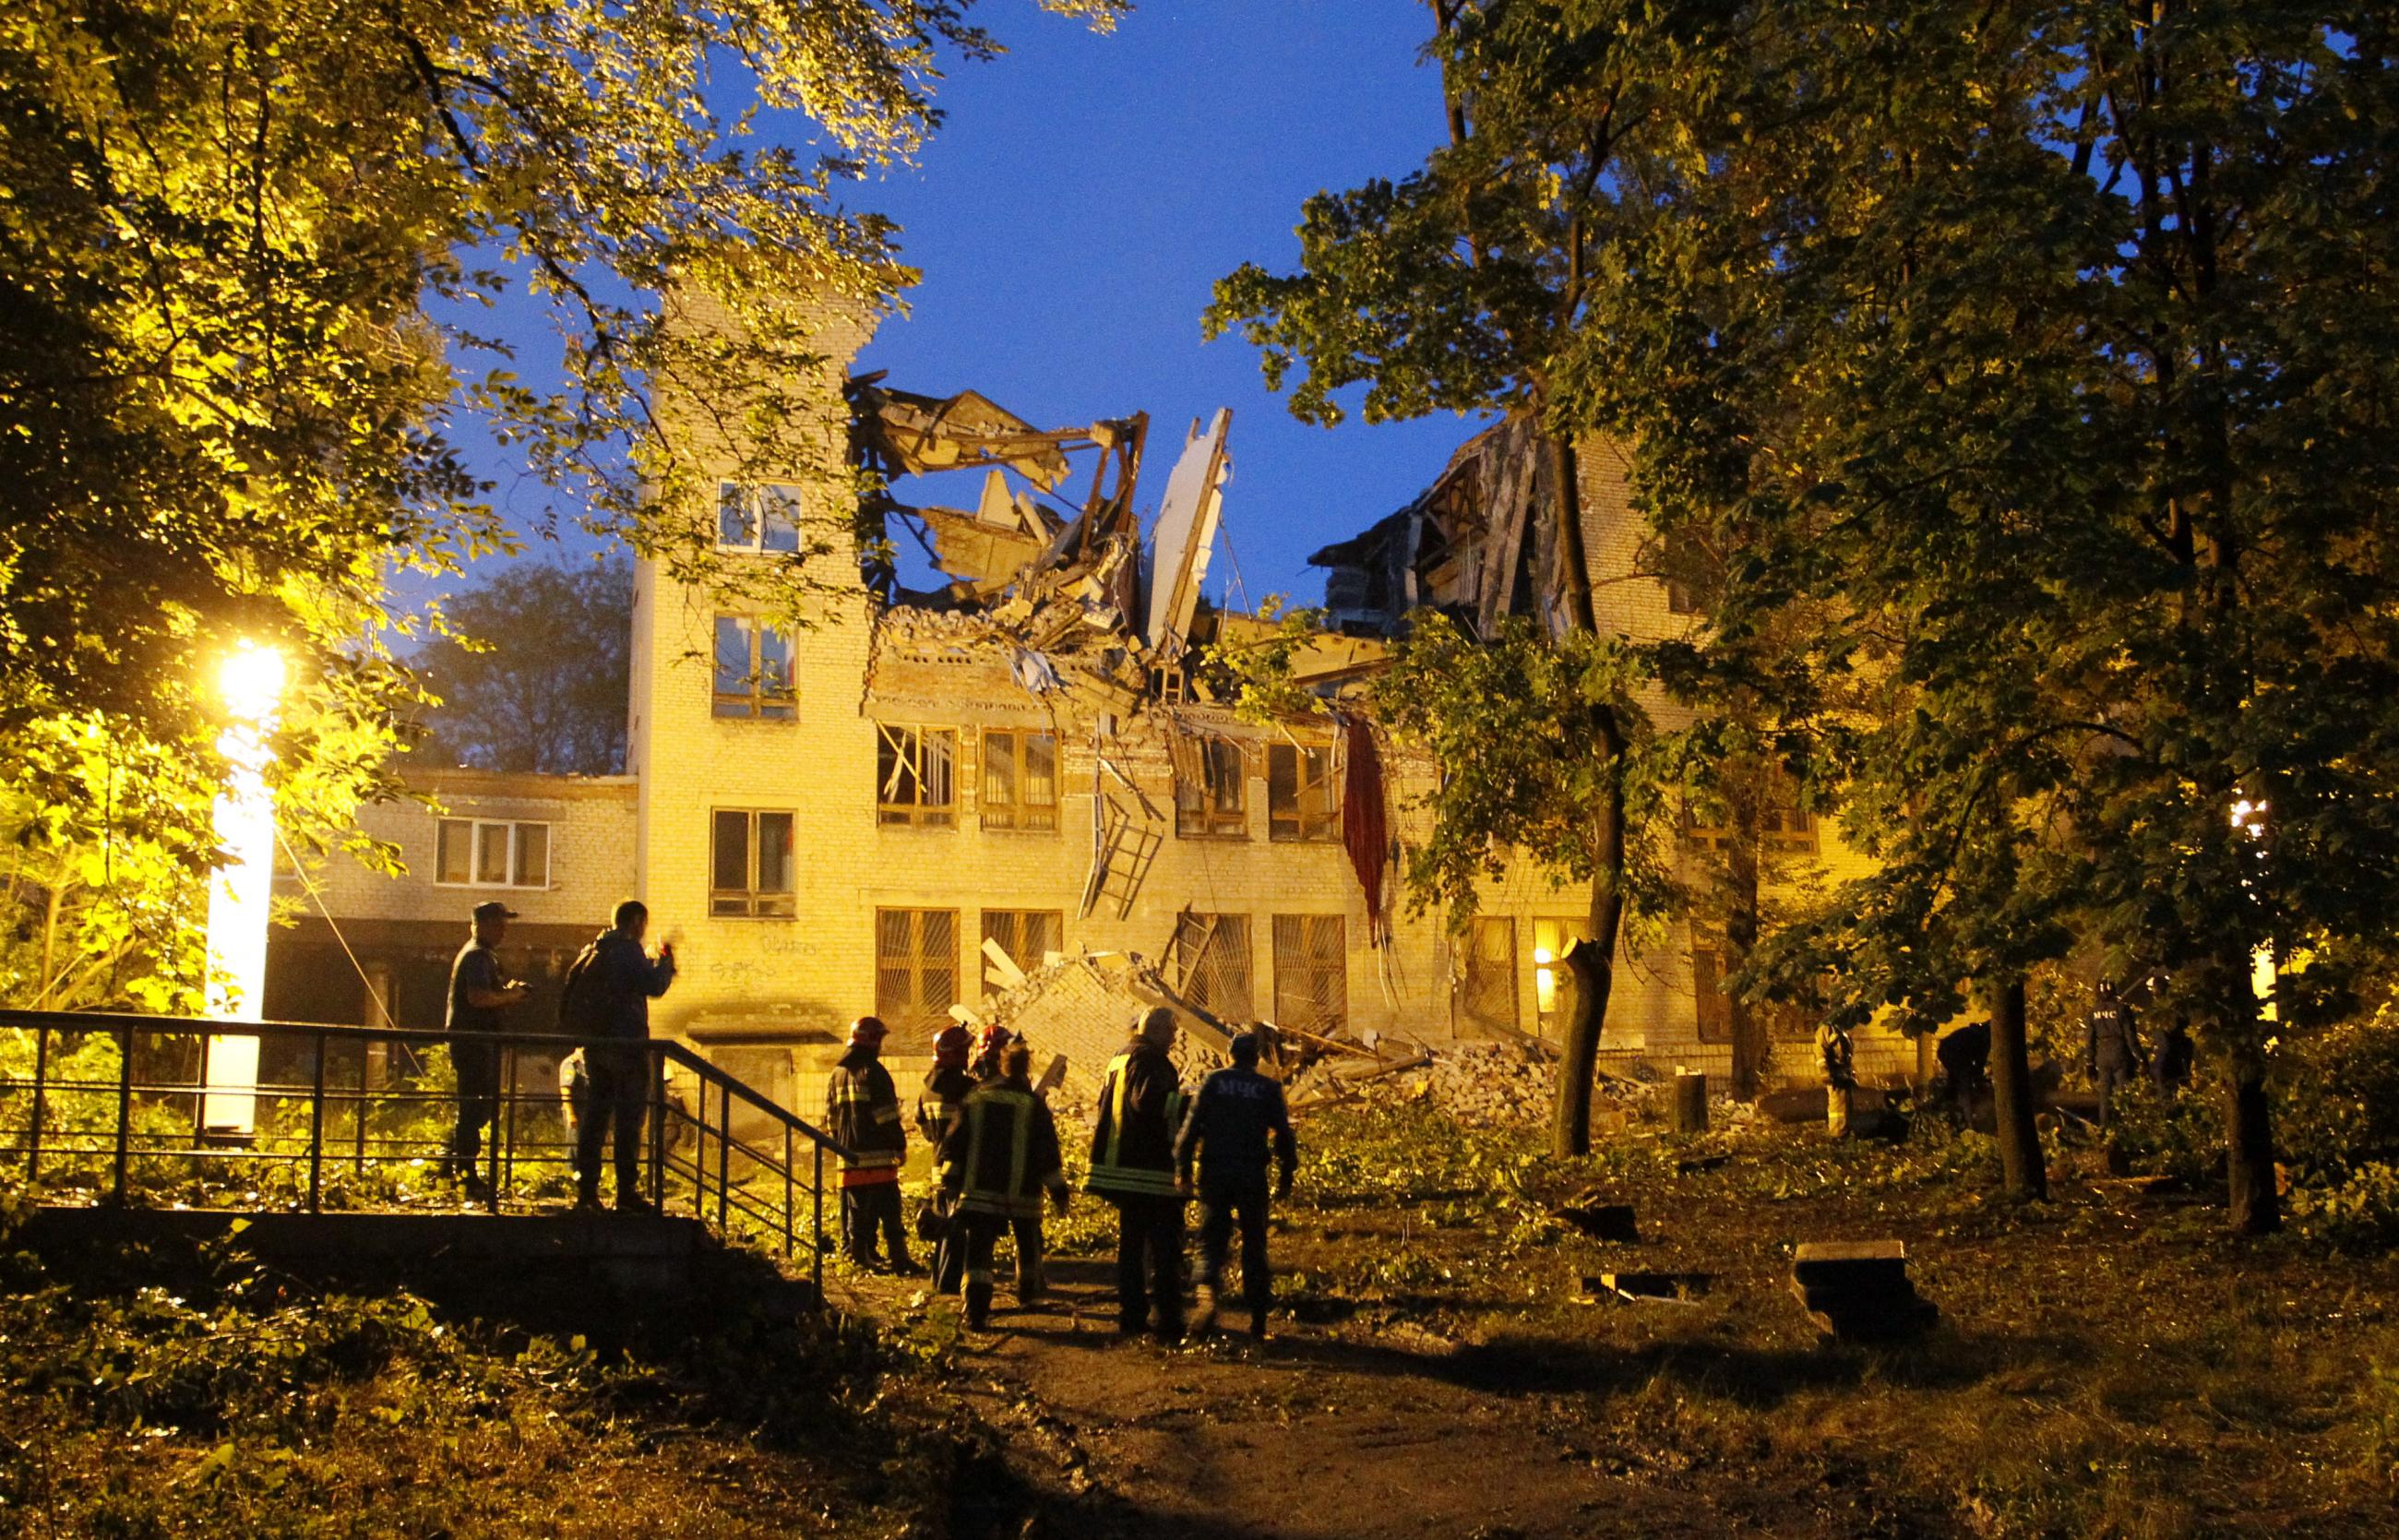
x=1110 y=1172
x=996 y=1178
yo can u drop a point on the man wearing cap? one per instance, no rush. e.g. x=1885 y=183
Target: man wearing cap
x=1236 y=1118
x=479 y=991
x=945 y=1089
x=1132 y=1167
x=607 y=995
x=998 y=1157
x=862 y=1113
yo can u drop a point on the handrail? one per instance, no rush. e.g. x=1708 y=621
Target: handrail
x=710 y=1180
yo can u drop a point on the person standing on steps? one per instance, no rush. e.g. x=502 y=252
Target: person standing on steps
x=998 y=1157
x=481 y=990
x=607 y=994
x=863 y=1112
x=1132 y=1167
x=1237 y=1119
x=946 y=1086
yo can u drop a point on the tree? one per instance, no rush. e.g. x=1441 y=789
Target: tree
x=2053 y=343
x=533 y=672
x=243 y=240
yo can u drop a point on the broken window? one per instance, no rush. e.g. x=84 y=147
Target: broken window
x=1020 y=779
x=491 y=853
x=763 y=519
x=1303 y=799
x=1552 y=981
x=749 y=863
x=1209 y=777
x=1486 y=995
x=1311 y=980
x=1026 y=935
x=755 y=675
x=915 y=967
x=1213 y=952
x=914 y=775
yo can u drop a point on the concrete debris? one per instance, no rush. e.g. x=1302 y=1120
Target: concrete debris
x=1480 y=1085
x=1082 y=1007
x=1859 y=1290
x=1650 y=1288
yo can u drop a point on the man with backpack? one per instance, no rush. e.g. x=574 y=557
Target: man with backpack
x=609 y=987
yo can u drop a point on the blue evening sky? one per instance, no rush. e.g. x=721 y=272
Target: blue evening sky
x=1082 y=196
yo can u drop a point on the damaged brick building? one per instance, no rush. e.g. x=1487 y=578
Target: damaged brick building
x=930 y=804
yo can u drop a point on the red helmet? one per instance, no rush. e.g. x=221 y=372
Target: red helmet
x=952 y=1044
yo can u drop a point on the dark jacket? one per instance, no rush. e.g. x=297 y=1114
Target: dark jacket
x=938 y=1100
x=862 y=1112
x=2108 y=1041
x=1965 y=1056
x=609 y=987
x=1132 y=1149
x=1001 y=1151
x=476 y=966
x=1236 y=1116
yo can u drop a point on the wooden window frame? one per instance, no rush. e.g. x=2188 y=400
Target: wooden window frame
x=1016 y=813
x=1212 y=798
x=1226 y=943
x=1290 y=816
x=752 y=902
x=516 y=852
x=1467 y=992
x=896 y=743
x=917 y=1011
x=1008 y=927
x=1311 y=990
x=1567 y=930
x=759 y=700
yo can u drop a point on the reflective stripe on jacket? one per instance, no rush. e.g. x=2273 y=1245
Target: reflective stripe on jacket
x=862 y=1112
x=1132 y=1149
x=1001 y=1151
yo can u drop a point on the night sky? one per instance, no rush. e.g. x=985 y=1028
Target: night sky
x=1083 y=194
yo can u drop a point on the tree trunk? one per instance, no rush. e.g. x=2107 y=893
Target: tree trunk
x=1593 y=963
x=2023 y=1174
x=2249 y=1154
x=1746 y=833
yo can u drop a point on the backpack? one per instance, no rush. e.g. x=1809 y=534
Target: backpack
x=582 y=1002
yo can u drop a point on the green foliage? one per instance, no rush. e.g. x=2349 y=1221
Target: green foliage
x=1531 y=734
x=533 y=671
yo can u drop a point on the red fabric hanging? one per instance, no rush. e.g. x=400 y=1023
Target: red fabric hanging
x=1364 y=829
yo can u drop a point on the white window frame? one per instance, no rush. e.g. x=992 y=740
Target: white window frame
x=755 y=497
x=516 y=851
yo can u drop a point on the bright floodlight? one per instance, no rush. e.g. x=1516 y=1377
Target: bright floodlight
x=241 y=896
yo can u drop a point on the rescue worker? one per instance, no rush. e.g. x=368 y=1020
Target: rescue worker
x=1966 y=1064
x=1235 y=1118
x=2111 y=1054
x=1132 y=1167
x=946 y=1086
x=2176 y=1058
x=998 y=1157
x=988 y=1050
x=862 y=1113
x=479 y=991
x=607 y=996
x=1837 y=1055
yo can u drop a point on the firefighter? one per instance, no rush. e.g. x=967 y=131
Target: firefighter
x=1132 y=1167
x=1837 y=1055
x=2111 y=1054
x=1235 y=1118
x=945 y=1089
x=862 y=1113
x=998 y=1155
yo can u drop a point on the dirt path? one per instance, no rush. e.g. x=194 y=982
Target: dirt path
x=1316 y=1435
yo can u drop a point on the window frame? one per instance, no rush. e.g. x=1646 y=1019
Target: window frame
x=756 y=704
x=753 y=903
x=1018 y=815
x=1222 y=932
x=1567 y=929
x=1205 y=815
x=475 y=827
x=917 y=814
x=920 y=1011
x=755 y=497
x=1027 y=958
x=1297 y=970
x=1466 y=993
x=1293 y=827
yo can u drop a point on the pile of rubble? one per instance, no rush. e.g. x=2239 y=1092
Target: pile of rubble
x=1480 y=1085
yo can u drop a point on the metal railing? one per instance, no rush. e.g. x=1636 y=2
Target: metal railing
x=118 y=1108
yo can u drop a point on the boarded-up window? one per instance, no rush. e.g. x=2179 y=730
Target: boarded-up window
x=1213 y=957
x=1020 y=779
x=1553 y=980
x=914 y=776
x=753 y=671
x=749 y=863
x=1026 y=935
x=915 y=966
x=1211 y=781
x=1303 y=799
x=1486 y=995
x=1312 y=977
